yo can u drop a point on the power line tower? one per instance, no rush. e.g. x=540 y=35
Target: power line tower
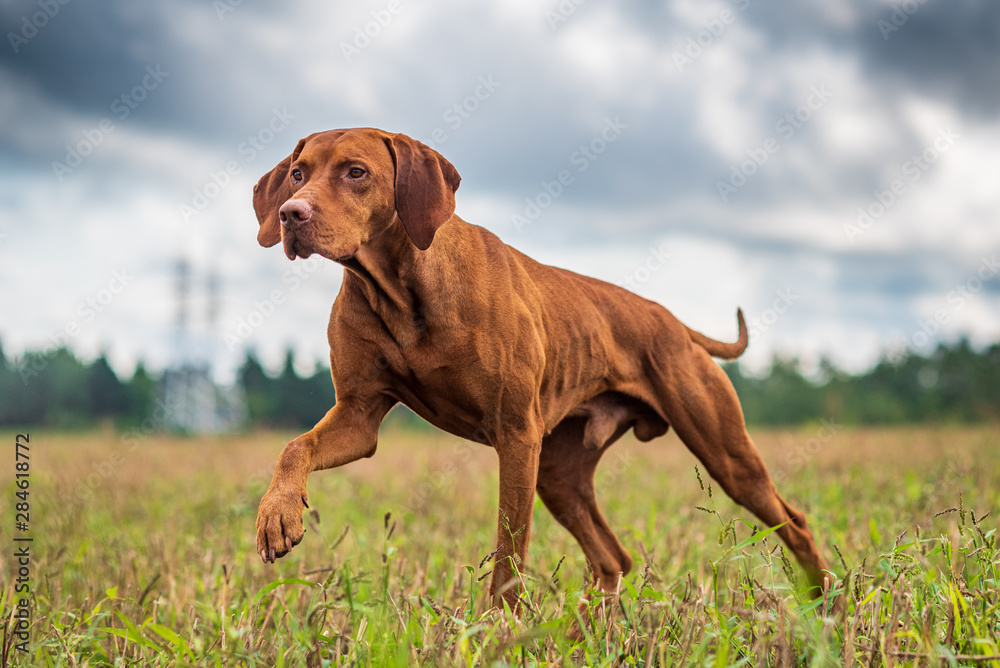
x=195 y=404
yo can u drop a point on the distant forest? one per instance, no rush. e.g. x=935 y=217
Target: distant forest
x=955 y=383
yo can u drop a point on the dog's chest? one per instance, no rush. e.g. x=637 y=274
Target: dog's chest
x=466 y=382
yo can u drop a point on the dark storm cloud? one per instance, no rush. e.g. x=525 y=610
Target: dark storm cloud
x=555 y=85
x=91 y=53
x=944 y=51
x=531 y=127
x=86 y=53
x=947 y=50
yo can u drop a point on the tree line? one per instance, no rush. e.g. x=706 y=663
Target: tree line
x=954 y=383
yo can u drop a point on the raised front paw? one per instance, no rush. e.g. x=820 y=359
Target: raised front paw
x=279 y=523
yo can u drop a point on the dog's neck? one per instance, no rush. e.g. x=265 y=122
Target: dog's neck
x=386 y=270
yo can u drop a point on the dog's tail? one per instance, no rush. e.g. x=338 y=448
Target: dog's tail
x=727 y=351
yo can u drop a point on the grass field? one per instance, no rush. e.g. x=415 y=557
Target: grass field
x=145 y=556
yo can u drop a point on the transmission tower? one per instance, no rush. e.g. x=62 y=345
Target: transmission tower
x=195 y=404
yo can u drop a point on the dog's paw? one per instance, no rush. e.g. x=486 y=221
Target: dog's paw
x=279 y=523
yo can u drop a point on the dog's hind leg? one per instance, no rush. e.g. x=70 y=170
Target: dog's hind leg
x=566 y=486
x=701 y=404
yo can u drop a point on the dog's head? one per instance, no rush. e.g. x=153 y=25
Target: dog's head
x=340 y=188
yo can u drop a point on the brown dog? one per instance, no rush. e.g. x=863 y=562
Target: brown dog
x=547 y=367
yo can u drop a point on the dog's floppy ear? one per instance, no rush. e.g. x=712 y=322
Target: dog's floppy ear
x=425 y=188
x=269 y=194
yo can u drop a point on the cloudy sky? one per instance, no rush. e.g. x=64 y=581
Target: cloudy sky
x=830 y=167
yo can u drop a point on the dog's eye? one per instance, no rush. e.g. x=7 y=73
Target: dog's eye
x=356 y=172
x=297 y=175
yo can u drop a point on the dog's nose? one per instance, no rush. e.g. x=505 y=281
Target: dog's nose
x=294 y=212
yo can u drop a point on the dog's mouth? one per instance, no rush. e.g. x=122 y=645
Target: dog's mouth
x=294 y=246
x=297 y=247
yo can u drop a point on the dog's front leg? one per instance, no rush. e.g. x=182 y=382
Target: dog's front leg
x=518 y=476
x=348 y=432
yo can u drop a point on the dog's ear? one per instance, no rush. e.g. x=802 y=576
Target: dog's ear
x=269 y=194
x=425 y=188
